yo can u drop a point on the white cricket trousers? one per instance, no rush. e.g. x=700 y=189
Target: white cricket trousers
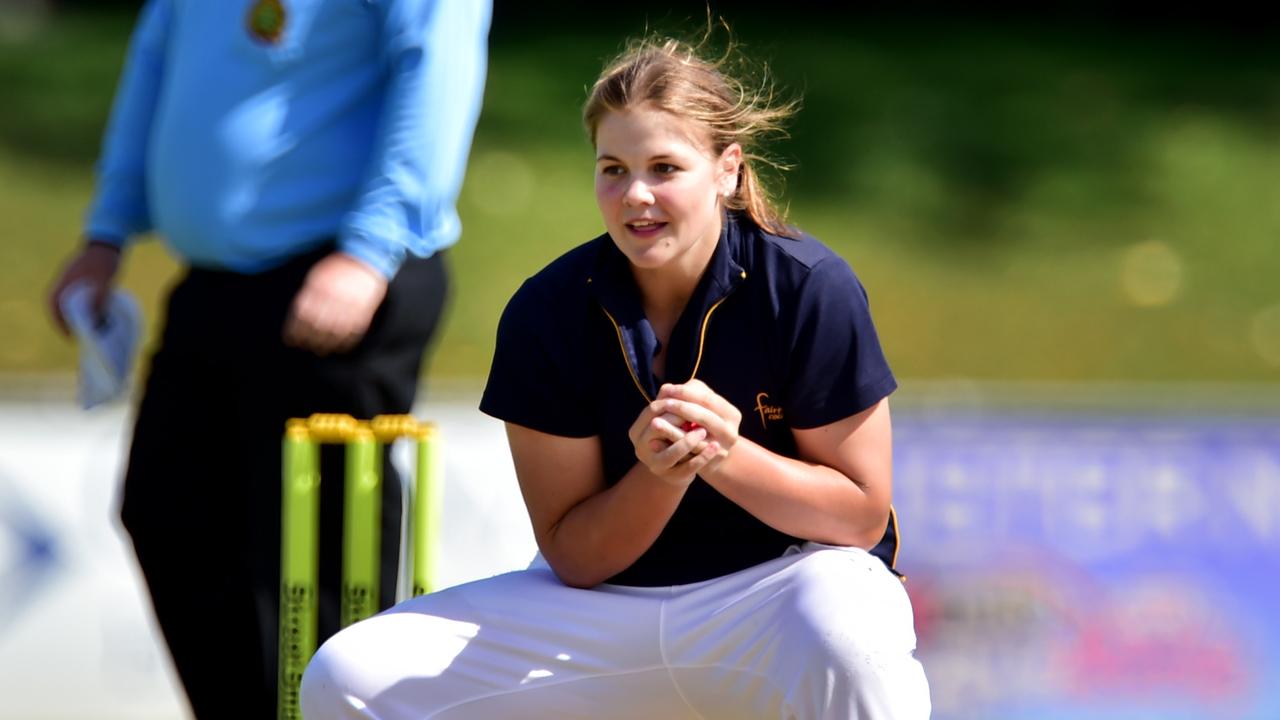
x=821 y=633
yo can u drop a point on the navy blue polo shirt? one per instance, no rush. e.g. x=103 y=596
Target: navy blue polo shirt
x=778 y=326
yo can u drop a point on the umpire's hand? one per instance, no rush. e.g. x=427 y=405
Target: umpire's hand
x=333 y=309
x=97 y=263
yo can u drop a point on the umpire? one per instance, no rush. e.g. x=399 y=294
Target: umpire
x=302 y=158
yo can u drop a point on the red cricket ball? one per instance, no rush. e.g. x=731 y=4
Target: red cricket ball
x=690 y=426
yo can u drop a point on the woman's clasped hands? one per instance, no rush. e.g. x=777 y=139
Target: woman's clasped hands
x=686 y=431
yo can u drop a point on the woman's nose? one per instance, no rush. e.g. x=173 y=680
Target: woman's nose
x=638 y=193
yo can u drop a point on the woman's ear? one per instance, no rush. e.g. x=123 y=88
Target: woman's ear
x=730 y=163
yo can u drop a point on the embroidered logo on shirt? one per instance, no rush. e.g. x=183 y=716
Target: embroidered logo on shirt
x=266 y=20
x=767 y=412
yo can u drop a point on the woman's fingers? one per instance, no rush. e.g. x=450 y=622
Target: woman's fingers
x=671 y=438
x=669 y=426
x=697 y=460
x=699 y=393
x=692 y=415
x=673 y=454
x=715 y=416
x=643 y=422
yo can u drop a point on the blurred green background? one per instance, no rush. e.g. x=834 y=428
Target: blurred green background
x=1075 y=199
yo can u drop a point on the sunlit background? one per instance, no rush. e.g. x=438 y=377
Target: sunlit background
x=1069 y=228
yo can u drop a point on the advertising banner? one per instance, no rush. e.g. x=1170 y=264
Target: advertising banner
x=1086 y=567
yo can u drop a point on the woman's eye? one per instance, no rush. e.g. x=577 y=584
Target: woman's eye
x=665 y=168
x=611 y=170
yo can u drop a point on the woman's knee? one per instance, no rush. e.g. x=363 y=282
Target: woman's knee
x=850 y=607
x=332 y=680
x=852 y=625
x=381 y=662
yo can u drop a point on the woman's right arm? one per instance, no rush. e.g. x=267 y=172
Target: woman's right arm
x=586 y=530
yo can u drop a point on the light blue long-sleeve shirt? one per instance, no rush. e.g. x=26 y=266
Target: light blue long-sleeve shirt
x=355 y=125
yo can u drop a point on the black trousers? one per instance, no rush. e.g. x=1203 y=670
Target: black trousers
x=202 y=491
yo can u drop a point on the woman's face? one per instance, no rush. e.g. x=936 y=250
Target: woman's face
x=659 y=187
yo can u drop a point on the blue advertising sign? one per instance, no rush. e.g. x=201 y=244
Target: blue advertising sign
x=1066 y=567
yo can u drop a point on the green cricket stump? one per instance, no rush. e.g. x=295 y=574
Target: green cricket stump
x=426 y=499
x=362 y=529
x=362 y=525
x=299 y=564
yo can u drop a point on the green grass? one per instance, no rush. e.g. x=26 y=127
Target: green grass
x=990 y=183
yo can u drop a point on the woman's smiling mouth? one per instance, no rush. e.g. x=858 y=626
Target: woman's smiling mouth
x=645 y=228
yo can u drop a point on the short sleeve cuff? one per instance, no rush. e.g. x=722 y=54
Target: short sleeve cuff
x=560 y=426
x=838 y=406
x=528 y=381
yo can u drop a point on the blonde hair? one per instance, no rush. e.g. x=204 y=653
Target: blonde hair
x=673 y=76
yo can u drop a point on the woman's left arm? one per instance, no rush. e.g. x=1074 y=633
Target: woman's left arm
x=838 y=491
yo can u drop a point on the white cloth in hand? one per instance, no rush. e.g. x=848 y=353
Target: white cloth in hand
x=108 y=343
